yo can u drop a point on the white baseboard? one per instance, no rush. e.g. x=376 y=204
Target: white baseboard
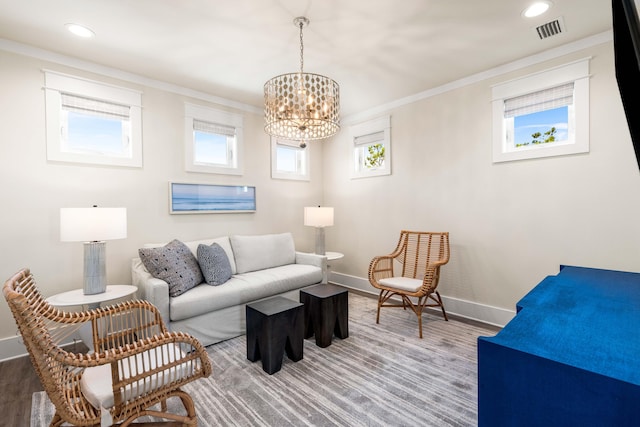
x=467 y=309
x=13 y=347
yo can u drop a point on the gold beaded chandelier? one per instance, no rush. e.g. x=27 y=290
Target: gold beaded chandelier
x=301 y=106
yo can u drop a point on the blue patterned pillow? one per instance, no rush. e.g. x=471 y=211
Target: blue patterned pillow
x=175 y=264
x=214 y=264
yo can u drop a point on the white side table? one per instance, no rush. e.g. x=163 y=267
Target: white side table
x=332 y=256
x=78 y=298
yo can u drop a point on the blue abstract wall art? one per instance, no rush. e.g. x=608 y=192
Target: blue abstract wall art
x=208 y=198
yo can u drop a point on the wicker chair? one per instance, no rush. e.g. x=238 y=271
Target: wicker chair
x=136 y=364
x=419 y=255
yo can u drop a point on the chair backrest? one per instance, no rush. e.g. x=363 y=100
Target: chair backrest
x=28 y=308
x=418 y=249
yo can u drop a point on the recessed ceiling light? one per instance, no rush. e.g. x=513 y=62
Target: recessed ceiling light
x=536 y=9
x=80 y=30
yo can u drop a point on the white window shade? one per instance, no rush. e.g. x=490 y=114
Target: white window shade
x=372 y=138
x=202 y=126
x=548 y=99
x=287 y=142
x=96 y=107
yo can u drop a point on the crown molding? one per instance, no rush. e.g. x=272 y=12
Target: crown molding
x=547 y=55
x=45 y=55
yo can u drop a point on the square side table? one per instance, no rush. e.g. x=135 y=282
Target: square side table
x=275 y=326
x=326 y=313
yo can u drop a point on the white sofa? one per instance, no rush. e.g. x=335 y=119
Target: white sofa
x=262 y=266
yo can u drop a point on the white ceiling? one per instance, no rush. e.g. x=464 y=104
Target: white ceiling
x=378 y=51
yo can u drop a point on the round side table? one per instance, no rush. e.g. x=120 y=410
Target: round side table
x=332 y=256
x=77 y=297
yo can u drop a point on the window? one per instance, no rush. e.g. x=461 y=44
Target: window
x=371 y=149
x=213 y=141
x=544 y=114
x=91 y=122
x=289 y=160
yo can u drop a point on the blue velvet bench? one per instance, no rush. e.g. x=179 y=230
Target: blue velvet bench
x=570 y=356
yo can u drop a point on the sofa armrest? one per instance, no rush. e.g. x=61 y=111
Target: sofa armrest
x=313 y=259
x=151 y=289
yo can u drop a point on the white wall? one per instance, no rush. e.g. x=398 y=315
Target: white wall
x=34 y=190
x=511 y=223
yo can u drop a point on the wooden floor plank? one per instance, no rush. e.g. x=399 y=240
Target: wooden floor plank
x=18 y=381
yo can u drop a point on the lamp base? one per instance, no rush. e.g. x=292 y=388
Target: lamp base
x=95 y=270
x=320 y=240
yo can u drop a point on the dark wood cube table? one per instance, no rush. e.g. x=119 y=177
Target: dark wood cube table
x=274 y=325
x=326 y=312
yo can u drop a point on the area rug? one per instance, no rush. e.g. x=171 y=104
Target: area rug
x=381 y=375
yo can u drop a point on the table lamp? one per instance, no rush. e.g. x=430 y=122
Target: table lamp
x=319 y=218
x=93 y=226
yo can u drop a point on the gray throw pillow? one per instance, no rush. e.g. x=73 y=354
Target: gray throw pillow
x=175 y=264
x=214 y=264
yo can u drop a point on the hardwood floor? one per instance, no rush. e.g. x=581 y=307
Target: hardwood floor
x=18 y=381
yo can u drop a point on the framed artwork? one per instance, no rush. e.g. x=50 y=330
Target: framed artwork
x=207 y=198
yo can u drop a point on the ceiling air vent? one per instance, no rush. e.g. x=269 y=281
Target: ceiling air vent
x=549 y=29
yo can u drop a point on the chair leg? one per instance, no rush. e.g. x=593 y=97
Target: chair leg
x=380 y=299
x=56 y=421
x=189 y=420
x=188 y=404
x=439 y=301
x=418 y=310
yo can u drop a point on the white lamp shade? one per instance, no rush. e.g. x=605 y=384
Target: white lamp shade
x=318 y=217
x=92 y=224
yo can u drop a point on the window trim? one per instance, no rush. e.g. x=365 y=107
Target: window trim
x=576 y=72
x=58 y=83
x=219 y=117
x=296 y=176
x=373 y=126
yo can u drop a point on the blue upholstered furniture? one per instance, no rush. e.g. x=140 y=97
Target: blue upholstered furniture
x=570 y=357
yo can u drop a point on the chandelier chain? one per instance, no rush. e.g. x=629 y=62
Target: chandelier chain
x=301 y=49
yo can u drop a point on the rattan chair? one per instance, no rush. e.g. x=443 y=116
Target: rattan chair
x=411 y=272
x=137 y=363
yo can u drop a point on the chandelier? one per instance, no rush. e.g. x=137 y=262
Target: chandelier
x=301 y=106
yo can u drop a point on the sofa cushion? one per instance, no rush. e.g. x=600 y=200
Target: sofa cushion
x=175 y=264
x=254 y=253
x=243 y=288
x=214 y=264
